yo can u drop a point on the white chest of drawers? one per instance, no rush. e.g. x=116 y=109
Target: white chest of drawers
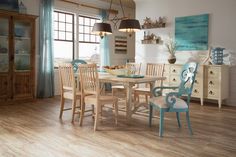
x=212 y=81
x=216 y=82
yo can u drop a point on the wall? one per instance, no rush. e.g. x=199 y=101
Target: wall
x=222 y=30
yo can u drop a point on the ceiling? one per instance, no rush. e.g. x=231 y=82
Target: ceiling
x=127 y=3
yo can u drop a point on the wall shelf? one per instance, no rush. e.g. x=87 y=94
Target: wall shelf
x=151 y=41
x=153 y=26
x=149 y=24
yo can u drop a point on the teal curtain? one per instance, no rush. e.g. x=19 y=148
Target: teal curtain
x=45 y=86
x=104 y=49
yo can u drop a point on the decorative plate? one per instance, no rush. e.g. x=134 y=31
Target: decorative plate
x=131 y=76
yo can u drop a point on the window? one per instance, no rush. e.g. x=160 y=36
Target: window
x=88 y=42
x=85 y=28
x=63 y=37
x=67 y=38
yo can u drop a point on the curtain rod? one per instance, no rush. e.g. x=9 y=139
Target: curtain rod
x=112 y=11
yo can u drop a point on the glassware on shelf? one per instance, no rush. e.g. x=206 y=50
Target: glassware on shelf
x=22 y=63
x=4 y=63
x=4 y=27
x=22 y=29
x=3 y=50
x=22 y=8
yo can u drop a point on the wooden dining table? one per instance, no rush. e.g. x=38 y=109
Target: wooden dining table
x=128 y=83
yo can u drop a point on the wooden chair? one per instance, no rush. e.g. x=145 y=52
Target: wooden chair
x=68 y=89
x=151 y=70
x=90 y=85
x=76 y=63
x=172 y=102
x=133 y=69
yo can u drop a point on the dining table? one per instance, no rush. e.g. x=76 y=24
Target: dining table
x=129 y=83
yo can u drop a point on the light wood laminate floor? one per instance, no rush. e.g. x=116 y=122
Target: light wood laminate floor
x=34 y=130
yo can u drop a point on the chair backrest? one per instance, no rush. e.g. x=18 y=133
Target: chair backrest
x=67 y=78
x=89 y=79
x=154 y=69
x=76 y=62
x=134 y=68
x=187 y=78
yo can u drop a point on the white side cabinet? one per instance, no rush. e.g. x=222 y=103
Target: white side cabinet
x=216 y=82
x=212 y=81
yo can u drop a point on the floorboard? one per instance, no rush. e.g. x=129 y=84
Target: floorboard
x=34 y=130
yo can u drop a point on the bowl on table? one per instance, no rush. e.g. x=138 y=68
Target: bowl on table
x=116 y=71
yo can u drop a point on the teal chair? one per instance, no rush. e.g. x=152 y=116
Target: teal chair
x=172 y=102
x=76 y=62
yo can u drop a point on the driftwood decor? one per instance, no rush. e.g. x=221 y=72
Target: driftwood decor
x=150 y=39
x=148 y=23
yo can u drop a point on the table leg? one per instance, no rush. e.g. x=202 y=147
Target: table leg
x=151 y=87
x=128 y=100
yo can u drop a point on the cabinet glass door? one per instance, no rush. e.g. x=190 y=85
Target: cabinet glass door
x=4 y=44
x=22 y=45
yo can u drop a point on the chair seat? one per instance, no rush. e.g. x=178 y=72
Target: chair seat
x=118 y=87
x=121 y=87
x=102 y=99
x=143 y=90
x=161 y=102
x=69 y=94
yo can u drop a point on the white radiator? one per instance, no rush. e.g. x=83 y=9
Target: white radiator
x=56 y=82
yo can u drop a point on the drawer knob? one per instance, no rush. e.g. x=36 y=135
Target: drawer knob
x=211 y=83
x=195 y=91
x=174 y=79
x=211 y=72
x=210 y=92
x=174 y=70
x=195 y=81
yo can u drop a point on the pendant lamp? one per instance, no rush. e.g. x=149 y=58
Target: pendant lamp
x=126 y=25
x=129 y=26
x=102 y=29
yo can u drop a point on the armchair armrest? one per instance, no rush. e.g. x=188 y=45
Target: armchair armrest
x=171 y=98
x=157 y=91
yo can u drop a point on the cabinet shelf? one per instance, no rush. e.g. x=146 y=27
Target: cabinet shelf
x=23 y=54
x=22 y=70
x=4 y=36
x=22 y=38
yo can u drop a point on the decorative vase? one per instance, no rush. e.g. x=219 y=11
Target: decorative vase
x=172 y=59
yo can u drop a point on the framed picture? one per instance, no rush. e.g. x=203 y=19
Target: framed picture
x=191 y=32
x=120 y=44
x=10 y=5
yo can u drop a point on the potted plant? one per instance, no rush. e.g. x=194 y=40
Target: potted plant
x=171 y=47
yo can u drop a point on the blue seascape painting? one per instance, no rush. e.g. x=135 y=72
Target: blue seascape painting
x=191 y=32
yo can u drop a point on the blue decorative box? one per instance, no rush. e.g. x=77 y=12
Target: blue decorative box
x=217 y=55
